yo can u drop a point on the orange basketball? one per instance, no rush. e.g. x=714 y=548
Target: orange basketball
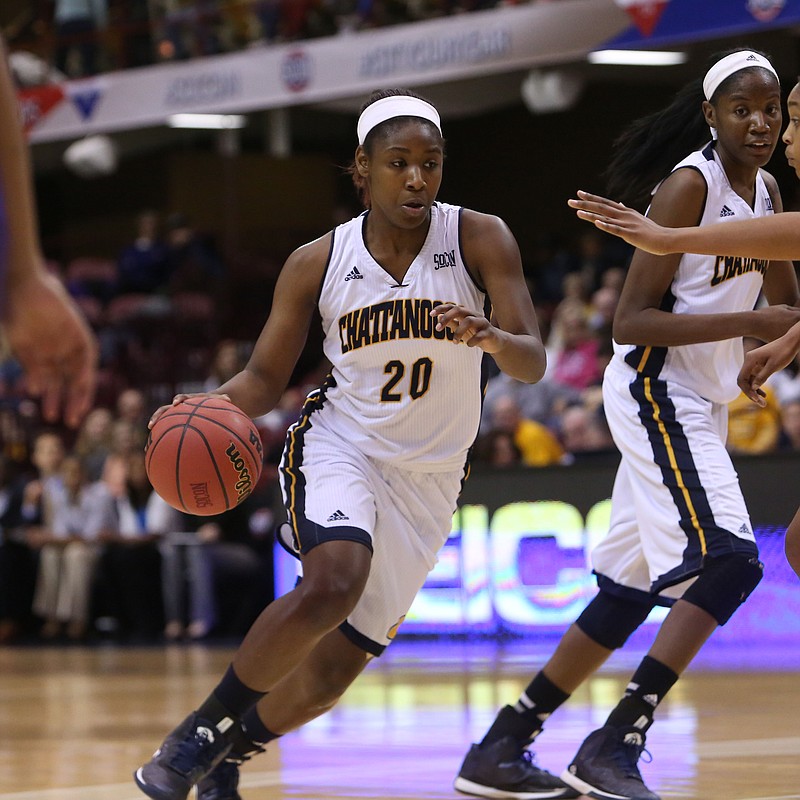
x=204 y=455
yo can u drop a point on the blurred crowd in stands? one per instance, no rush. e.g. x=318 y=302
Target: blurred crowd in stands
x=84 y=37
x=89 y=550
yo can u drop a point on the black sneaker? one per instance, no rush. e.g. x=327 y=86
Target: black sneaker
x=186 y=756
x=504 y=769
x=222 y=783
x=606 y=766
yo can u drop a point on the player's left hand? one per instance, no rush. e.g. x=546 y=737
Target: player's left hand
x=470 y=327
x=762 y=362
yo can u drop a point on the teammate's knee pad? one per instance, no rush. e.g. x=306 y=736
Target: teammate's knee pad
x=724 y=584
x=609 y=620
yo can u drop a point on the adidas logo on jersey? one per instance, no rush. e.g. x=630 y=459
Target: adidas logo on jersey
x=745 y=530
x=354 y=275
x=726 y=212
x=338 y=515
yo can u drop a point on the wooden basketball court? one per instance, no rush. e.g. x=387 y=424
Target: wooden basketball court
x=76 y=722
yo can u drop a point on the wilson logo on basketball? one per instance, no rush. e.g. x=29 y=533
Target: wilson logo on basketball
x=201 y=495
x=245 y=483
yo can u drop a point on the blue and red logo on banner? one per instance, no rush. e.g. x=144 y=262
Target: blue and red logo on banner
x=670 y=22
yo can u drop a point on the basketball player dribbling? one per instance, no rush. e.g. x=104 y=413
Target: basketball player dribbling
x=679 y=533
x=764 y=237
x=372 y=469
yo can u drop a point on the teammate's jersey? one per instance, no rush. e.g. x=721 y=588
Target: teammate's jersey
x=708 y=285
x=401 y=391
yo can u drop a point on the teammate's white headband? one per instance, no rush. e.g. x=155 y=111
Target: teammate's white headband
x=391 y=107
x=725 y=67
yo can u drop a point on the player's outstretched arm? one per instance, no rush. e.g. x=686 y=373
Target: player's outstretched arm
x=775 y=237
x=44 y=328
x=766 y=360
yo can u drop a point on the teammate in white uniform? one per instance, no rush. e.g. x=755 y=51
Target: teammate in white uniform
x=372 y=469
x=680 y=533
x=762 y=237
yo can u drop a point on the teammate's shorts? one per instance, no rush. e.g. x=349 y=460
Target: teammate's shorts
x=333 y=492
x=676 y=496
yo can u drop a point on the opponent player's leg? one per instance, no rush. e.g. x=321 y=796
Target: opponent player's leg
x=335 y=573
x=792 y=543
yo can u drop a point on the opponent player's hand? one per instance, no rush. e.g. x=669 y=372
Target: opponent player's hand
x=764 y=361
x=622 y=221
x=178 y=399
x=470 y=327
x=54 y=345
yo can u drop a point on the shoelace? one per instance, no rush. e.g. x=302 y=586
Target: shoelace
x=239 y=758
x=530 y=757
x=627 y=757
x=192 y=753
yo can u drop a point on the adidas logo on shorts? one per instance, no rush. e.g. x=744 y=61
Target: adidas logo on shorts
x=337 y=516
x=726 y=212
x=354 y=275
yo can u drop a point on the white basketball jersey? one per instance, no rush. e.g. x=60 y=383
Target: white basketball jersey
x=708 y=285
x=401 y=391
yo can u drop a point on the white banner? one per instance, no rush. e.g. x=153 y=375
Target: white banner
x=468 y=45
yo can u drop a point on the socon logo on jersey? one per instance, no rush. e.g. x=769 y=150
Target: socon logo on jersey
x=443 y=260
x=296 y=70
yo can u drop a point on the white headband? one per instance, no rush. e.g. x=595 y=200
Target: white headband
x=396 y=106
x=725 y=67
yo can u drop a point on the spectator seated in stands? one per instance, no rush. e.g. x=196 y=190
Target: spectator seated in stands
x=542 y=402
x=142 y=265
x=790 y=426
x=754 y=429
x=68 y=541
x=574 y=355
x=227 y=562
x=193 y=264
x=17 y=564
x=583 y=431
x=128 y=596
x=536 y=442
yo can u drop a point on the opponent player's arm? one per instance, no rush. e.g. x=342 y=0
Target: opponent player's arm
x=259 y=386
x=512 y=337
x=44 y=328
x=639 y=319
x=775 y=237
x=780 y=279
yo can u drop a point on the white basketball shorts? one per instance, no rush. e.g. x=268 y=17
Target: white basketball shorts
x=676 y=496
x=333 y=492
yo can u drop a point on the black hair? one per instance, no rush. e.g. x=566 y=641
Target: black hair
x=646 y=151
x=379 y=130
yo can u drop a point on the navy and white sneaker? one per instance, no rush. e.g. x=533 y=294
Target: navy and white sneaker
x=606 y=766
x=222 y=783
x=504 y=769
x=186 y=756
